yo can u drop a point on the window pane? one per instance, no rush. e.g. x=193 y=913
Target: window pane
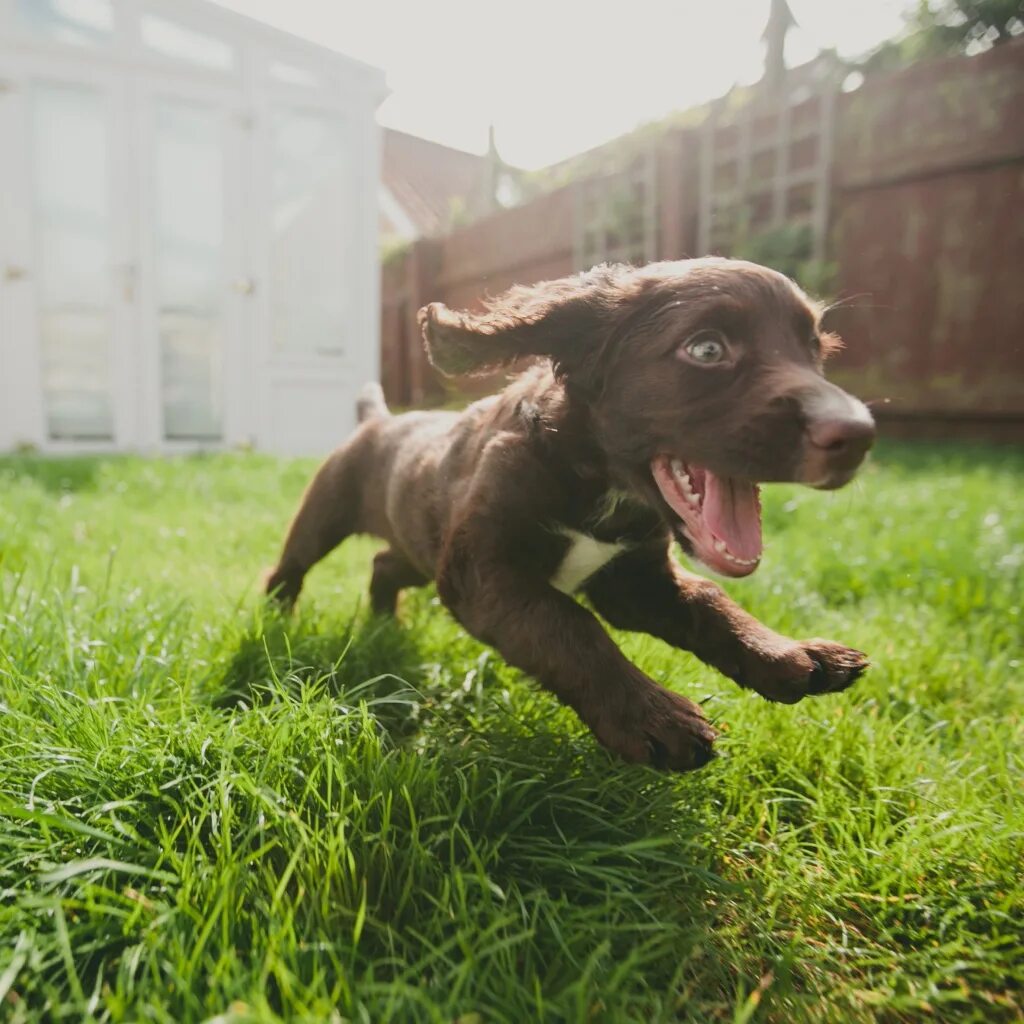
x=309 y=232
x=291 y=74
x=181 y=43
x=71 y=200
x=81 y=22
x=189 y=235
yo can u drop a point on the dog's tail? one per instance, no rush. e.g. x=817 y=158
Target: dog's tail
x=371 y=402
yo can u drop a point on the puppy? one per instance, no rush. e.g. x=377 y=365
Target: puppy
x=661 y=397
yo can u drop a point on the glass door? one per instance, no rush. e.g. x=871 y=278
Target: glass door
x=192 y=263
x=311 y=186
x=63 y=254
x=188 y=267
x=70 y=156
x=308 y=178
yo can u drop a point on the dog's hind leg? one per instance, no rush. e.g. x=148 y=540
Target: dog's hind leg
x=328 y=513
x=391 y=574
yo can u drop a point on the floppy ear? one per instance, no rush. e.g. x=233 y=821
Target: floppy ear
x=562 y=319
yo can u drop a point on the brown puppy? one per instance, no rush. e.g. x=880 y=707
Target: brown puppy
x=665 y=394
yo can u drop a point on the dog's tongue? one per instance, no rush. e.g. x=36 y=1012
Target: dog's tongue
x=733 y=513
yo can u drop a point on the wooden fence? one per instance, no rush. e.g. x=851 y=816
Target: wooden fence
x=911 y=189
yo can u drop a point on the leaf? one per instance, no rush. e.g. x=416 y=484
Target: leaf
x=81 y=867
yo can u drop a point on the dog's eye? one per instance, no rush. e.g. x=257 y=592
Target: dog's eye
x=705 y=347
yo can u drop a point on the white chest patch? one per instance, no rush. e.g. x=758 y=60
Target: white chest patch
x=584 y=557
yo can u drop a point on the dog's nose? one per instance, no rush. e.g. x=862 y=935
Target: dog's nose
x=847 y=437
x=839 y=430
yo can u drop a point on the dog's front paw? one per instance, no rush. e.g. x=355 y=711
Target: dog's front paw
x=659 y=728
x=835 y=667
x=806 y=668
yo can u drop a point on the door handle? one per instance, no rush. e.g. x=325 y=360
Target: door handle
x=15 y=273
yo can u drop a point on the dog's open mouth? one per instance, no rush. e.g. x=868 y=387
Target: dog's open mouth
x=719 y=515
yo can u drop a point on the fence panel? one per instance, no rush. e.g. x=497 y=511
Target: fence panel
x=929 y=242
x=920 y=175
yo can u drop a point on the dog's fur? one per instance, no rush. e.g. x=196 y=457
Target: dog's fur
x=548 y=487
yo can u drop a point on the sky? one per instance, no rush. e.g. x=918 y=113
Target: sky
x=557 y=77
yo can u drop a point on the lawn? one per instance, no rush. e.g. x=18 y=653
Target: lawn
x=211 y=813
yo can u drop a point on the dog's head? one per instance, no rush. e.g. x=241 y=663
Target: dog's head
x=704 y=377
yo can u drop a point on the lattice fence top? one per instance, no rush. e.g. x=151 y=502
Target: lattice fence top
x=766 y=165
x=616 y=215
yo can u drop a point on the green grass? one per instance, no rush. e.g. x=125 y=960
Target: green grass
x=212 y=813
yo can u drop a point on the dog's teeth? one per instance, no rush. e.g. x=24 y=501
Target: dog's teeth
x=682 y=476
x=723 y=550
x=684 y=482
x=731 y=557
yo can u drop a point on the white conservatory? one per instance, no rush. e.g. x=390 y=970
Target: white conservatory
x=188 y=230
